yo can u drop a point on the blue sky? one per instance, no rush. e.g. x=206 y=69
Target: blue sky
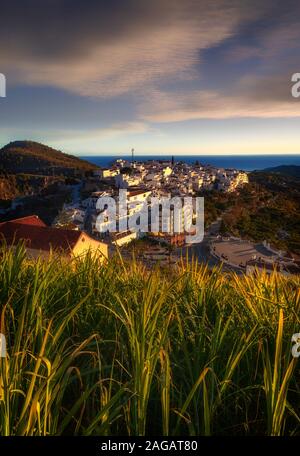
x=166 y=76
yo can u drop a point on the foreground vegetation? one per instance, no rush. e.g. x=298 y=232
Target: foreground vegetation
x=121 y=350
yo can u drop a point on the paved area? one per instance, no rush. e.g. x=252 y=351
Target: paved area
x=238 y=252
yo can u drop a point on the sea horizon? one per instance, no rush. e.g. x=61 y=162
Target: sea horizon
x=243 y=162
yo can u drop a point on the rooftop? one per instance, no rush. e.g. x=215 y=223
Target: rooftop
x=37 y=236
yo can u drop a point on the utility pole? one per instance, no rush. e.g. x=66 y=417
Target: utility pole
x=132 y=155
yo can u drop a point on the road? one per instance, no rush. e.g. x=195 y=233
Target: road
x=201 y=251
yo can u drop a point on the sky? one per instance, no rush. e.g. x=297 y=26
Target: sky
x=99 y=77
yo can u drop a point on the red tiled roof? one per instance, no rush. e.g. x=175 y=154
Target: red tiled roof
x=39 y=237
x=32 y=220
x=137 y=192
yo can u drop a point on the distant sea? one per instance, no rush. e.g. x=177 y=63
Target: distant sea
x=243 y=162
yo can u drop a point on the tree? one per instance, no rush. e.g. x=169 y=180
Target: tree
x=126 y=170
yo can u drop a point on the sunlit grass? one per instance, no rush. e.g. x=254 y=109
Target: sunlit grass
x=117 y=349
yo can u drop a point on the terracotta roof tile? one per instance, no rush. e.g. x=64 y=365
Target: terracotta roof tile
x=32 y=220
x=39 y=237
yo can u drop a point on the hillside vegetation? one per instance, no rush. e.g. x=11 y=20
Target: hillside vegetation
x=267 y=208
x=285 y=170
x=119 y=350
x=35 y=158
x=18 y=185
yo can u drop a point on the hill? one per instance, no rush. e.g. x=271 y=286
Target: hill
x=34 y=158
x=267 y=208
x=286 y=170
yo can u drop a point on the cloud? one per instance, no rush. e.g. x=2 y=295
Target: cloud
x=92 y=140
x=100 y=50
x=78 y=141
x=261 y=89
x=275 y=37
x=261 y=97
